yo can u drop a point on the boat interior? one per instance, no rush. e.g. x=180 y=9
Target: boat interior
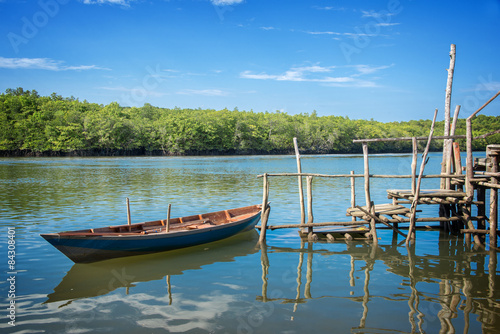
x=200 y=221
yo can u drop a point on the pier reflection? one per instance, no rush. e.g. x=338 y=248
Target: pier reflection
x=444 y=291
x=101 y=278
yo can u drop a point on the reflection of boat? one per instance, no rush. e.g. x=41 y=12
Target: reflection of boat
x=155 y=236
x=96 y=279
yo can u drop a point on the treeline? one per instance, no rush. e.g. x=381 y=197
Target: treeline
x=31 y=124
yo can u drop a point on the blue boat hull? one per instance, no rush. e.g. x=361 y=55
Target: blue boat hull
x=91 y=248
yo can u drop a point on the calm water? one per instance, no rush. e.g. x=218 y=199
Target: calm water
x=231 y=286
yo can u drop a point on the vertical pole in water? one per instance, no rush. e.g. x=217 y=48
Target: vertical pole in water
x=129 y=221
x=301 y=191
x=310 y=219
x=469 y=162
x=264 y=215
x=373 y=230
x=353 y=194
x=447 y=107
x=493 y=198
x=449 y=158
x=168 y=217
x=414 y=166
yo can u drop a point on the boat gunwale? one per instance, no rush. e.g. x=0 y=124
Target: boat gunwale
x=84 y=234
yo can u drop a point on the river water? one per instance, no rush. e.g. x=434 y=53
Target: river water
x=231 y=286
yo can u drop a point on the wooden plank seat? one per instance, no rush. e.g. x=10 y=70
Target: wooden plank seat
x=193 y=224
x=380 y=209
x=439 y=193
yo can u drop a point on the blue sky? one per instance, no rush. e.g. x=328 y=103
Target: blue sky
x=363 y=59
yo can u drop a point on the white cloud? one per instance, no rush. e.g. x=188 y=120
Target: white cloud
x=375 y=14
x=387 y=24
x=125 y=3
x=345 y=34
x=329 y=8
x=322 y=74
x=204 y=92
x=43 y=64
x=225 y=2
x=367 y=69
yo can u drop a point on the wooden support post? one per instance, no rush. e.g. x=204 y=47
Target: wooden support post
x=414 y=165
x=129 y=220
x=469 y=188
x=449 y=157
x=373 y=229
x=265 y=210
x=493 y=200
x=411 y=231
x=447 y=108
x=457 y=159
x=353 y=194
x=468 y=222
x=481 y=208
x=301 y=190
x=310 y=217
x=168 y=217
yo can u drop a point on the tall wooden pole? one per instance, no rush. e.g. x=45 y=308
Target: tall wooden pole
x=301 y=190
x=310 y=218
x=414 y=165
x=493 y=196
x=447 y=107
x=449 y=156
x=265 y=210
x=373 y=229
x=353 y=194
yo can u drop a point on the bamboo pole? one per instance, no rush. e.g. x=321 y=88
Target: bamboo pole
x=411 y=233
x=375 y=140
x=469 y=175
x=129 y=220
x=168 y=217
x=449 y=157
x=373 y=229
x=380 y=176
x=414 y=166
x=264 y=215
x=396 y=219
x=301 y=190
x=310 y=217
x=353 y=194
x=493 y=202
x=447 y=107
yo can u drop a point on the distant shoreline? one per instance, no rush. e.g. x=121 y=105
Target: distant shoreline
x=159 y=153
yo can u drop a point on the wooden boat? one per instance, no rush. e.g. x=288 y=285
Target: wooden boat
x=98 y=244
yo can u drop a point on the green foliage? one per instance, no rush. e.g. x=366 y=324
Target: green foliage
x=52 y=123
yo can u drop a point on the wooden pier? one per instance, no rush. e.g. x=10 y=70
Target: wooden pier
x=460 y=189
